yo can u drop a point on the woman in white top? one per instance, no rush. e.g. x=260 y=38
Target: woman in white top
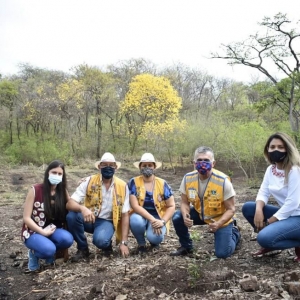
x=278 y=227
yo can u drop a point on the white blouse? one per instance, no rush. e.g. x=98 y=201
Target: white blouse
x=287 y=194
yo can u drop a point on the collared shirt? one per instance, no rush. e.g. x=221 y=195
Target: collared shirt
x=107 y=198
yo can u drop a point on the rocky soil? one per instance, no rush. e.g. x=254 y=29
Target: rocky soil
x=153 y=276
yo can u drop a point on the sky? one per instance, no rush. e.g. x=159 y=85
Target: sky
x=61 y=34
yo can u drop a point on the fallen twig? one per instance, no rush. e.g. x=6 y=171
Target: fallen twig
x=62 y=280
x=33 y=291
x=173 y=292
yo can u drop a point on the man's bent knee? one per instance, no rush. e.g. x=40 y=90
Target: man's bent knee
x=223 y=254
x=177 y=217
x=102 y=244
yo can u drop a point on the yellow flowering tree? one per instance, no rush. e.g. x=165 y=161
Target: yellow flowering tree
x=151 y=108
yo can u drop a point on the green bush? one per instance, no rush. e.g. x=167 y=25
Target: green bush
x=38 y=152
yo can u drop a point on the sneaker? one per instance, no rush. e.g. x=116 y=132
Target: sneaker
x=81 y=253
x=265 y=252
x=181 y=251
x=33 y=261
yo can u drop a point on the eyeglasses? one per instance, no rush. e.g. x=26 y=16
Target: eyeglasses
x=205 y=159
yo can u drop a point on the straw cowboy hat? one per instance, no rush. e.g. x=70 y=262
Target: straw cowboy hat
x=107 y=157
x=147 y=157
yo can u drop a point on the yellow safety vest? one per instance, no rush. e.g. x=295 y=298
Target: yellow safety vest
x=212 y=205
x=158 y=195
x=93 y=200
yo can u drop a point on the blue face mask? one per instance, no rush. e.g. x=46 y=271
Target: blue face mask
x=54 y=179
x=203 y=167
x=107 y=172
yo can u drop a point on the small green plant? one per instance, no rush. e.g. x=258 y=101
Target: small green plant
x=194 y=267
x=194 y=272
x=195 y=236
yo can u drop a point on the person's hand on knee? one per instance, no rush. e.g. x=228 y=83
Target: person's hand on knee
x=88 y=215
x=188 y=222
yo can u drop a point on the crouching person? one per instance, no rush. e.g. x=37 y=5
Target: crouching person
x=45 y=216
x=152 y=202
x=105 y=210
x=207 y=198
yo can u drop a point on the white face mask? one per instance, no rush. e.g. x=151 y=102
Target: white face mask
x=55 y=179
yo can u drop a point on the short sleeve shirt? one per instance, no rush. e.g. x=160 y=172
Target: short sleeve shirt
x=107 y=198
x=149 y=201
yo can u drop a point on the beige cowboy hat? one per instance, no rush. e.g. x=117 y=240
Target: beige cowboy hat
x=147 y=157
x=107 y=157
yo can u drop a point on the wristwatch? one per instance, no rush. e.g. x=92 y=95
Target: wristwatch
x=164 y=222
x=124 y=243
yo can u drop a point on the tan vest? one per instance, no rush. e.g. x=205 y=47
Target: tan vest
x=158 y=195
x=93 y=200
x=212 y=205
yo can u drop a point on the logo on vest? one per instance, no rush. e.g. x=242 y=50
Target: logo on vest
x=192 y=194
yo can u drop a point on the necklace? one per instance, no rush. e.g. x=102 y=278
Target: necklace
x=277 y=173
x=150 y=185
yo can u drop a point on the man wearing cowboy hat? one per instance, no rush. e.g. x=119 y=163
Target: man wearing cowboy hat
x=152 y=202
x=207 y=198
x=105 y=210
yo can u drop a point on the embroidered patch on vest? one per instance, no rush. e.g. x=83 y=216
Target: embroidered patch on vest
x=192 y=194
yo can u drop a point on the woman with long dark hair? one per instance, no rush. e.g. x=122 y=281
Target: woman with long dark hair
x=44 y=217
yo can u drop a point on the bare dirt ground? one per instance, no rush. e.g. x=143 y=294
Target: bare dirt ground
x=155 y=276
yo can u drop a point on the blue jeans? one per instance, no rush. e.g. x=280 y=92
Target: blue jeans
x=226 y=238
x=102 y=230
x=46 y=246
x=283 y=234
x=139 y=226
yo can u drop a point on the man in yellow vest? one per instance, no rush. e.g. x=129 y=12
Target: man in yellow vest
x=100 y=205
x=207 y=198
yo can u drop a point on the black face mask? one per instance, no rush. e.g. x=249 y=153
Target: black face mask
x=107 y=172
x=277 y=156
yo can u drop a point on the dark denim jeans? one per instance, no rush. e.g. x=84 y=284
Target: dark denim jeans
x=102 y=230
x=46 y=246
x=226 y=238
x=283 y=234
